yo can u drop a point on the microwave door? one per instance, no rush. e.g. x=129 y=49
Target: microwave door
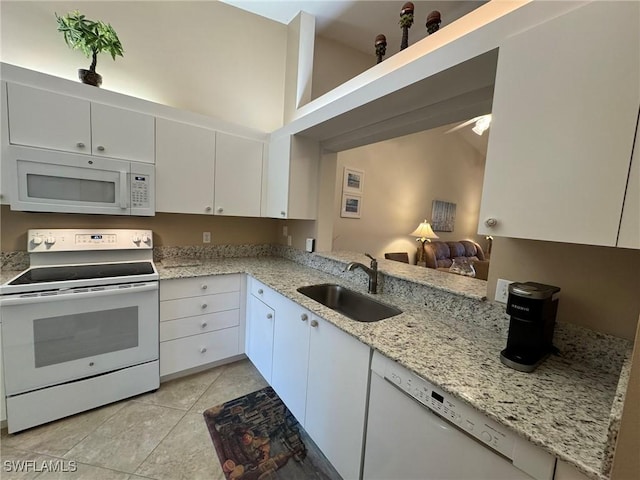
x=56 y=182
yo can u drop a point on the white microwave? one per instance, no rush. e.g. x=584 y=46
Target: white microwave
x=52 y=181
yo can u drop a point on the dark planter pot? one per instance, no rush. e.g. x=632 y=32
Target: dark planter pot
x=89 y=77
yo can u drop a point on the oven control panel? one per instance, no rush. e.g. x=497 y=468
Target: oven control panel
x=463 y=416
x=68 y=240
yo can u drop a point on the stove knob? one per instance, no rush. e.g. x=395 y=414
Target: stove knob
x=36 y=240
x=146 y=239
x=486 y=436
x=49 y=240
x=136 y=239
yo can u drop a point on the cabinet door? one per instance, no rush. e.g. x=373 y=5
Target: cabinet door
x=45 y=119
x=185 y=156
x=290 y=356
x=277 y=197
x=629 y=236
x=564 y=117
x=120 y=133
x=259 y=342
x=337 y=395
x=292 y=178
x=238 y=177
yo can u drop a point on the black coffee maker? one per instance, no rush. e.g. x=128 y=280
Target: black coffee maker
x=533 y=307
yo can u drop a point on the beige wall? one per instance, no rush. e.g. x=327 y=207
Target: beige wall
x=626 y=464
x=402 y=178
x=600 y=285
x=206 y=57
x=335 y=63
x=169 y=229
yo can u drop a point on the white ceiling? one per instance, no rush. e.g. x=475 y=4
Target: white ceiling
x=357 y=22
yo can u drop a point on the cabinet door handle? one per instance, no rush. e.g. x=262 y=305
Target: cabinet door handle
x=220 y=209
x=204 y=286
x=203 y=350
x=203 y=324
x=80 y=145
x=260 y=291
x=208 y=209
x=304 y=317
x=100 y=148
x=269 y=316
x=283 y=213
x=491 y=222
x=314 y=323
x=203 y=306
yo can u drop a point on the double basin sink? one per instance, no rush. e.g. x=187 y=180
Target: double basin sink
x=349 y=303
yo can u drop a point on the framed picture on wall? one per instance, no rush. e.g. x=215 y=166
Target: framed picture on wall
x=353 y=181
x=351 y=206
x=443 y=216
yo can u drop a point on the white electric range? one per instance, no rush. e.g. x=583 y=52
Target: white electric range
x=80 y=326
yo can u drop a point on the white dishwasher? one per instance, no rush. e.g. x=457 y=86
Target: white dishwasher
x=408 y=437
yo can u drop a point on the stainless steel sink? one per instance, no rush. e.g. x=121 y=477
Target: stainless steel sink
x=349 y=303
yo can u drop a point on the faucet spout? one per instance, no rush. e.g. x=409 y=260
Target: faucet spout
x=372 y=272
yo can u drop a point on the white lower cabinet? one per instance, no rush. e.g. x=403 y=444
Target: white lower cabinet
x=199 y=321
x=3 y=402
x=320 y=372
x=259 y=347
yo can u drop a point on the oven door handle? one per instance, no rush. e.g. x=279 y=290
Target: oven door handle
x=91 y=292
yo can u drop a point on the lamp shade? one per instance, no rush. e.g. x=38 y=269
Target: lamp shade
x=424 y=231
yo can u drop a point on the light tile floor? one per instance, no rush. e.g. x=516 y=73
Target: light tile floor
x=159 y=435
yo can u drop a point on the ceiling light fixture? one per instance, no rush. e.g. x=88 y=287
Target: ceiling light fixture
x=482 y=124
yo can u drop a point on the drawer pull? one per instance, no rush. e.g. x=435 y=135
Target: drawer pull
x=304 y=317
x=203 y=324
x=100 y=148
x=203 y=306
x=203 y=350
x=80 y=145
x=269 y=316
x=314 y=323
x=204 y=286
x=260 y=291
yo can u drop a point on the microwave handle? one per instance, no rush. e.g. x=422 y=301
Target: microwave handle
x=124 y=190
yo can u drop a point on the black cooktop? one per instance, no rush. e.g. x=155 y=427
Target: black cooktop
x=82 y=272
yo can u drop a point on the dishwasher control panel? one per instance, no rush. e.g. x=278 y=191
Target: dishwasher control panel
x=455 y=411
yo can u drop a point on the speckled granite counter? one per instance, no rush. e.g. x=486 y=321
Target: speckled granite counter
x=448 y=334
x=567 y=406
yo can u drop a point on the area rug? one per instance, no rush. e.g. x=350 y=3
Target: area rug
x=256 y=437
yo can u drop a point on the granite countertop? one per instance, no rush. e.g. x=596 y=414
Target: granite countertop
x=564 y=406
x=571 y=408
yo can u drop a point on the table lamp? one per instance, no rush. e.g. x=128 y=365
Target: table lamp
x=424 y=233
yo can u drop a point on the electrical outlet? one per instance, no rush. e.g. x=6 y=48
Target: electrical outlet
x=206 y=237
x=285 y=231
x=502 y=290
x=289 y=240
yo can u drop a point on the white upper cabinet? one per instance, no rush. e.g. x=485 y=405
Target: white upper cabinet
x=120 y=133
x=185 y=158
x=630 y=224
x=45 y=119
x=292 y=178
x=564 y=117
x=238 y=176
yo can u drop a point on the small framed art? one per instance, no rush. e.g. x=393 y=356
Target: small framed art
x=351 y=206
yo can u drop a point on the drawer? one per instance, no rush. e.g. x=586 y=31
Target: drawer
x=188 y=307
x=184 y=353
x=193 y=287
x=185 y=327
x=264 y=293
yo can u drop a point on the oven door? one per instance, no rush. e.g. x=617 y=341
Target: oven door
x=61 y=336
x=48 y=181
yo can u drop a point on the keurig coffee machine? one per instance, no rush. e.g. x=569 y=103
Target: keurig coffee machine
x=533 y=308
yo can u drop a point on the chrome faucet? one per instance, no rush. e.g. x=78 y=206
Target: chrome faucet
x=372 y=272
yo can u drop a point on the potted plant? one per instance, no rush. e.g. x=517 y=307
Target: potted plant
x=92 y=37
